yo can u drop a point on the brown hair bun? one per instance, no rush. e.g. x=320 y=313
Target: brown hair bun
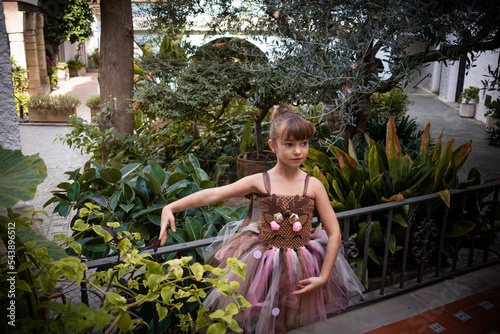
x=289 y=125
x=281 y=110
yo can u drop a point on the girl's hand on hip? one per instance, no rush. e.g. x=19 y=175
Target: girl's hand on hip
x=167 y=218
x=308 y=285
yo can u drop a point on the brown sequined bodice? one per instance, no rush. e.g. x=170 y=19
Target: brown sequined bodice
x=286 y=205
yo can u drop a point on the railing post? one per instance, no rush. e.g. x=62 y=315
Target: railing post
x=345 y=242
x=491 y=220
x=367 y=246
x=423 y=233
x=407 y=245
x=386 y=250
x=83 y=290
x=441 y=241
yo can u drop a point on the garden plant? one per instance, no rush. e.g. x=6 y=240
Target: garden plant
x=128 y=290
x=386 y=174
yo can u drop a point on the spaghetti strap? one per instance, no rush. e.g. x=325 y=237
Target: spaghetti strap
x=306 y=184
x=267 y=182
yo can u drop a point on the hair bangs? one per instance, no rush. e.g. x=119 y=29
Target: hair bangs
x=297 y=128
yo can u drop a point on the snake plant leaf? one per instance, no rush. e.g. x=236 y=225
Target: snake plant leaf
x=424 y=144
x=461 y=154
x=392 y=145
x=19 y=176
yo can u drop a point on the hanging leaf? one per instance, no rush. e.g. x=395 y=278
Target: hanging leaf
x=19 y=176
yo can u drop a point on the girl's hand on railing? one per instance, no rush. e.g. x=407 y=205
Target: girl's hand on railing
x=167 y=218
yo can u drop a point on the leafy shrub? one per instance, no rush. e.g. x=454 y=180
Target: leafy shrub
x=94 y=101
x=471 y=93
x=55 y=103
x=20 y=82
x=75 y=65
x=124 y=287
x=52 y=73
x=406 y=130
x=134 y=197
x=493 y=109
x=385 y=175
x=216 y=143
x=393 y=102
x=93 y=58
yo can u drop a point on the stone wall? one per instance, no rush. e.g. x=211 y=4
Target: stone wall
x=9 y=127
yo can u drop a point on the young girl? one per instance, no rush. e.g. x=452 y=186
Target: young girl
x=294 y=274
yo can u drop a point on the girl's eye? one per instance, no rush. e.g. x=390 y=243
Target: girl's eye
x=288 y=144
x=305 y=143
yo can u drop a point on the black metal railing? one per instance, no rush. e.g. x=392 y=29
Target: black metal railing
x=425 y=240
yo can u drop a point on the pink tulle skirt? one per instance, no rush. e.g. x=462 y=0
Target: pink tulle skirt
x=273 y=273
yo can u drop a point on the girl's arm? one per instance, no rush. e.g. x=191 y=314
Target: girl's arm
x=331 y=225
x=247 y=185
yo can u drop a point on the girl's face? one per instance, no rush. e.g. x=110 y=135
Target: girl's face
x=291 y=152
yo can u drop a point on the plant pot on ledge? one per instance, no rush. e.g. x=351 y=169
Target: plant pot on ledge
x=62 y=71
x=52 y=108
x=467 y=109
x=249 y=164
x=76 y=68
x=492 y=115
x=94 y=103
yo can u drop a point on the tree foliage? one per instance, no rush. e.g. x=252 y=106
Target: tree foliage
x=341 y=52
x=72 y=22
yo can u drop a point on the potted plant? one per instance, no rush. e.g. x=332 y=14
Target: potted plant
x=470 y=94
x=492 y=115
x=52 y=108
x=94 y=103
x=76 y=68
x=62 y=71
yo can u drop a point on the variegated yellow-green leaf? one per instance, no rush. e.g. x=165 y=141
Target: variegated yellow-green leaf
x=162 y=311
x=197 y=270
x=80 y=225
x=103 y=233
x=47 y=284
x=115 y=298
x=124 y=322
x=216 y=328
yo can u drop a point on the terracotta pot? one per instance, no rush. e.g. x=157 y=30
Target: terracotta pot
x=249 y=165
x=467 y=110
x=51 y=117
x=491 y=123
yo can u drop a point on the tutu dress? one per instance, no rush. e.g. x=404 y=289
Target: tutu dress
x=279 y=252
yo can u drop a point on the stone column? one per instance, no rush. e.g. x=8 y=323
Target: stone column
x=42 y=60
x=9 y=126
x=31 y=48
x=14 y=22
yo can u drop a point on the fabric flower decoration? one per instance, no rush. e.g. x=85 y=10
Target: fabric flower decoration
x=297 y=226
x=293 y=218
x=275 y=226
x=278 y=217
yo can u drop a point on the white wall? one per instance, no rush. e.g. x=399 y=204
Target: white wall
x=477 y=74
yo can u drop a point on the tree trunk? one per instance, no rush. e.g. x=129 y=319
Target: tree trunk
x=116 y=66
x=363 y=114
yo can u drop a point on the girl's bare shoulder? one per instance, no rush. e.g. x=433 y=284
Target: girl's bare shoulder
x=250 y=184
x=316 y=187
